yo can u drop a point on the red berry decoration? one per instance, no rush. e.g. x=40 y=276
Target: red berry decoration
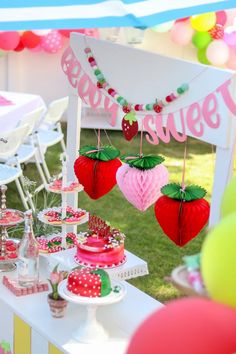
x=217 y=32
x=182 y=213
x=157 y=108
x=129 y=126
x=96 y=169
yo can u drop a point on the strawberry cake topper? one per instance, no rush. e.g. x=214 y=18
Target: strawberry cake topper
x=129 y=121
x=140 y=179
x=96 y=169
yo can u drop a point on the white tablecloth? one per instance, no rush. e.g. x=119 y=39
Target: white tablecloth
x=22 y=103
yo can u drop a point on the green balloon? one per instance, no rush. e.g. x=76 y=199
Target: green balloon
x=2 y=53
x=201 y=55
x=201 y=39
x=218 y=262
x=228 y=204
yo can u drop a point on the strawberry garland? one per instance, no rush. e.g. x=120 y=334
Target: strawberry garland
x=182 y=212
x=129 y=121
x=96 y=169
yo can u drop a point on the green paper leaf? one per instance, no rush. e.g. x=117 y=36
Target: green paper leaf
x=130 y=117
x=175 y=191
x=145 y=162
x=105 y=153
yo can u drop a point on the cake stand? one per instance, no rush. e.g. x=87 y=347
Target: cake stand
x=91 y=331
x=64 y=190
x=8 y=218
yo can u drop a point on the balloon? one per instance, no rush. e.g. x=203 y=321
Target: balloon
x=36 y=49
x=181 y=33
x=201 y=39
x=203 y=22
x=66 y=33
x=163 y=27
x=30 y=40
x=9 y=40
x=182 y=19
x=20 y=47
x=52 y=42
x=228 y=204
x=231 y=14
x=201 y=55
x=230 y=36
x=231 y=63
x=221 y=18
x=41 y=32
x=218 y=261
x=194 y=325
x=217 y=52
x=217 y=32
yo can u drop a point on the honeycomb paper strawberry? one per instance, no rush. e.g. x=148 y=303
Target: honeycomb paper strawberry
x=141 y=178
x=182 y=213
x=129 y=126
x=96 y=169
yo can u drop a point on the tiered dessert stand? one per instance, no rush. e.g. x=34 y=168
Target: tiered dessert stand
x=8 y=247
x=62 y=188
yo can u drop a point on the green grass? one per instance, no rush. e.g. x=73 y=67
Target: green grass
x=144 y=237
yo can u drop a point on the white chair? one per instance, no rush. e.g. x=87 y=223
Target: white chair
x=12 y=171
x=49 y=132
x=30 y=151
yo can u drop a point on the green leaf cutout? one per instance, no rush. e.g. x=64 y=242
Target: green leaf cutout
x=175 y=191
x=105 y=153
x=105 y=280
x=130 y=117
x=145 y=162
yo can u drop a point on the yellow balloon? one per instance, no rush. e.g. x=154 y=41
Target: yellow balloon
x=218 y=261
x=204 y=22
x=228 y=204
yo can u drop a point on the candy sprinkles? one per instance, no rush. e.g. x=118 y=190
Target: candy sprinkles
x=129 y=121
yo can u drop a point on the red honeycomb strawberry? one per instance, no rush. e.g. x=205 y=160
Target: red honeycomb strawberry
x=96 y=169
x=129 y=126
x=182 y=213
x=89 y=282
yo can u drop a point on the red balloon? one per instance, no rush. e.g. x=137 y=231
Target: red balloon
x=9 y=40
x=20 y=47
x=196 y=326
x=30 y=40
x=182 y=19
x=66 y=33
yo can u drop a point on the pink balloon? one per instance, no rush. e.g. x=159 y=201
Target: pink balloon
x=230 y=38
x=217 y=52
x=9 y=40
x=52 y=42
x=231 y=15
x=221 y=18
x=231 y=63
x=181 y=33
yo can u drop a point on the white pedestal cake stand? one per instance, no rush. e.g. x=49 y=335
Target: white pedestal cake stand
x=91 y=330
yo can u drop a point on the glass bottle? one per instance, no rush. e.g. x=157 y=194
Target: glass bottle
x=28 y=255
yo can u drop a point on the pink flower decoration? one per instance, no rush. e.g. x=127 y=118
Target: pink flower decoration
x=54 y=277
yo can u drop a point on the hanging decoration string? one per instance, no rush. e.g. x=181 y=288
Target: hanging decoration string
x=141 y=141
x=184 y=167
x=108 y=138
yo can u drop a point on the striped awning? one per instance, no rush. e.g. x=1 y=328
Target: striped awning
x=39 y=14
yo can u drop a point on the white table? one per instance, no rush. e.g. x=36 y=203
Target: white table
x=22 y=104
x=28 y=320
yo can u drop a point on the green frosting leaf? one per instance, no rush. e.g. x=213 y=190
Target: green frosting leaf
x=104 y=153
x=175 y=191
x=130 y=117
x=105 y=280
x=145 y=162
